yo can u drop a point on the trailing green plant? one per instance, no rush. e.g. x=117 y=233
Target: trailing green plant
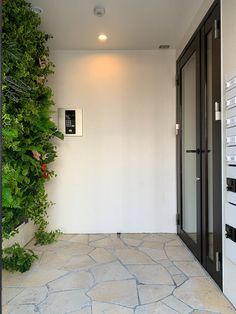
x=28 y=130
x=42 y=237
x=16 y=258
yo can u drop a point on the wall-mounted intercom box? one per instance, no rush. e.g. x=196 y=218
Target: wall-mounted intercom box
x=230 y=166
x=70 y=121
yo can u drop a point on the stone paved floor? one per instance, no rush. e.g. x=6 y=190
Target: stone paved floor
x=95 y=274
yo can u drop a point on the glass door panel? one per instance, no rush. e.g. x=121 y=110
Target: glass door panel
x=209 y=115
x=211 y=137
x=189 y=147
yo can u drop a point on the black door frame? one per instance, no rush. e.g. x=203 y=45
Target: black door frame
x=217 y=177
x=198 y=41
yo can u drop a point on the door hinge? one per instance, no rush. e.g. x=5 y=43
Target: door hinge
x=177 y=80
x=216 y=29
x=217 y=111
x=177 y=128
x=218 y=261
x=177 y=219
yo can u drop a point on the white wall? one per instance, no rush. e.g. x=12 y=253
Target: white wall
x=228 y=69
x=120 y=176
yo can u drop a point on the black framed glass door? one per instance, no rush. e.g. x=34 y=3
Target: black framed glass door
x=199 y=144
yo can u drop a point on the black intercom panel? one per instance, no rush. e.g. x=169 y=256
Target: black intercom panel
x=230 y=233
x=231 y=185
x=70 y=122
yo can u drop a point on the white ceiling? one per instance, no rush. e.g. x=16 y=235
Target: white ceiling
x=129 y=24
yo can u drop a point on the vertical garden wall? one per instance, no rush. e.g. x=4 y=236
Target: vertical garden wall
x=27 y=128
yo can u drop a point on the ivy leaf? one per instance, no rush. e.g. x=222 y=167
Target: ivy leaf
x=27 y=126
x=59 y=135
x=25 y=171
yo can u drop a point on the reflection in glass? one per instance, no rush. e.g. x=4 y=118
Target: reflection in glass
x=189 y=188
x=210 y=147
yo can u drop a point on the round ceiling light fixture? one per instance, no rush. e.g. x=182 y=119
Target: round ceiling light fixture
x=102 y=37
x=99 y=11
x=37 y=10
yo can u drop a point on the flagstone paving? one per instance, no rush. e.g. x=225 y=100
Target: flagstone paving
x=104 y=274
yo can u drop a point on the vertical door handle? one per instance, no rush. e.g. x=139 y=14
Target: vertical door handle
x=218 y=261
x=217 y=111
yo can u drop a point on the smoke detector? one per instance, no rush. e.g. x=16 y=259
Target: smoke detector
x=37 y=10
x=99 y=11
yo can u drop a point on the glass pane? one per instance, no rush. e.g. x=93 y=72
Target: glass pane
x=189 y=188
x=210 y=147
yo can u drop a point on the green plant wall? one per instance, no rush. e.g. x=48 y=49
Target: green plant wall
x=27 y=127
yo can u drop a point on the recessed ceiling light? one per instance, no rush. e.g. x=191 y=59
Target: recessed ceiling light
x=102 y=37
x=164 y=46
x=37 y=10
